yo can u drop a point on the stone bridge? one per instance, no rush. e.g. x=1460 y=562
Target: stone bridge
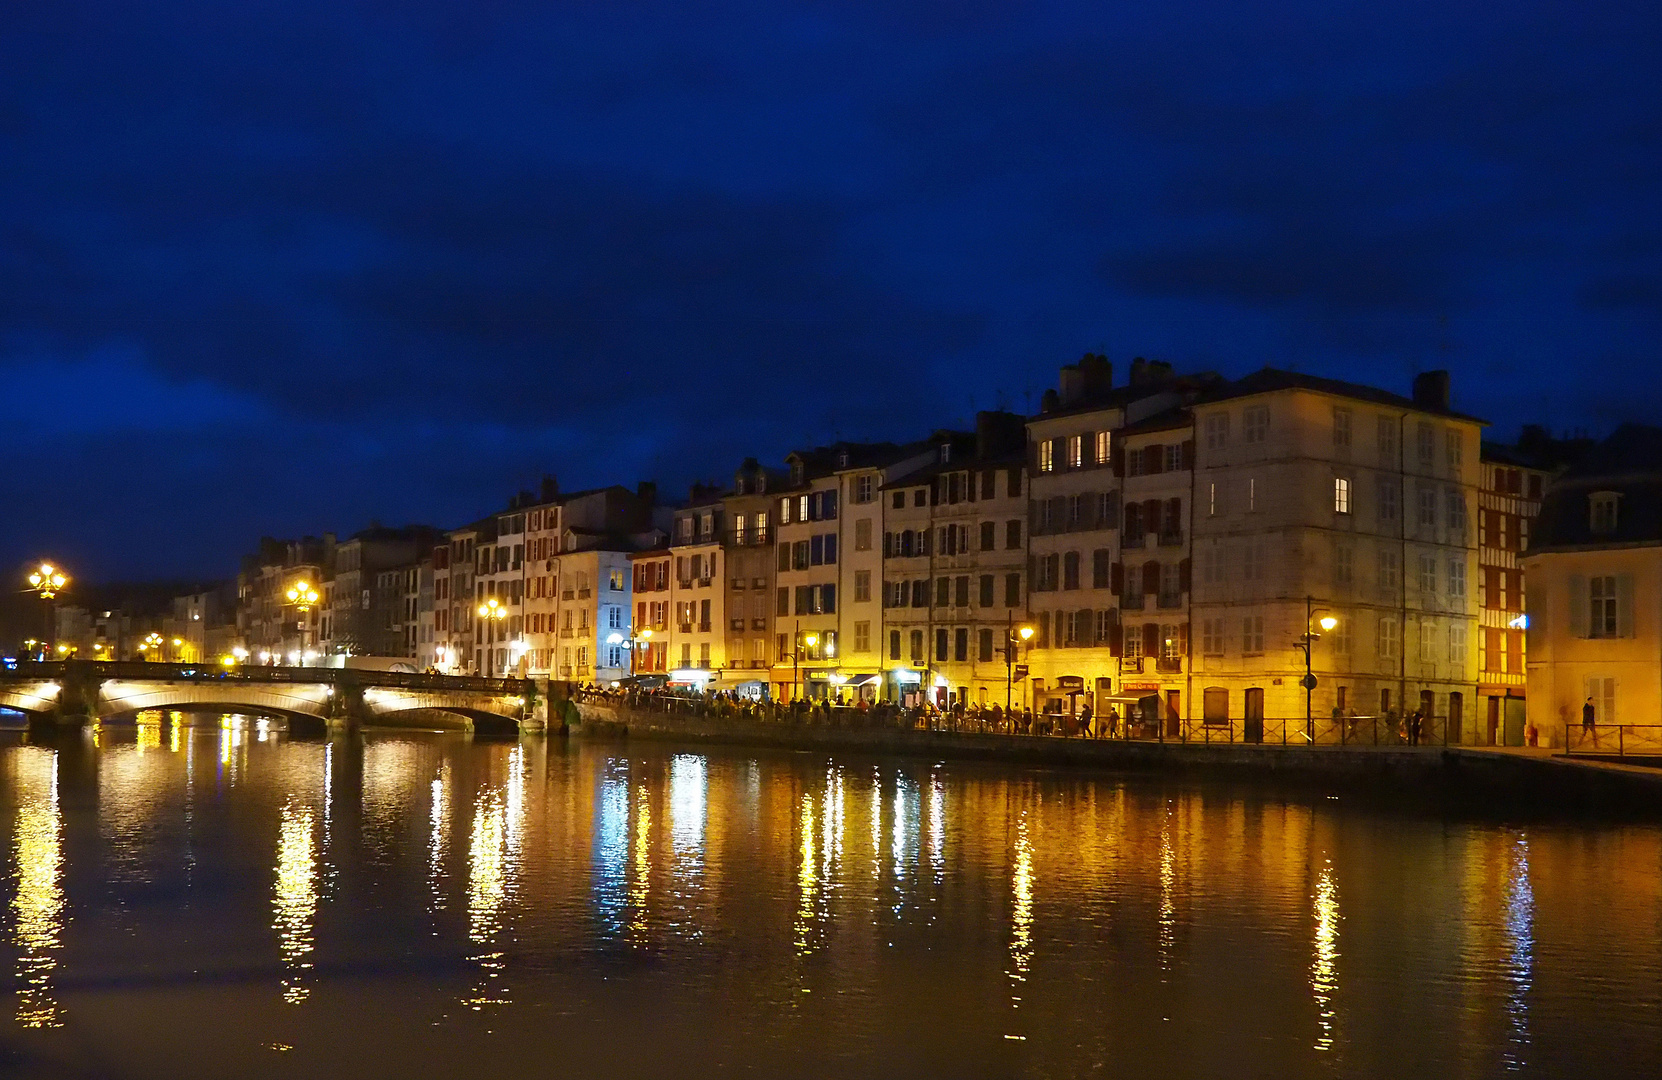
x=309 y=699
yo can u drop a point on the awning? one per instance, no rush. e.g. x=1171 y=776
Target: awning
x=1127 y=699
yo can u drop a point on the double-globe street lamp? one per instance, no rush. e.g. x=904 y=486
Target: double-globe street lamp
x=48 y=581
x=303 y=596
x=1327 y=622
x=492 y=612
x=800 y=641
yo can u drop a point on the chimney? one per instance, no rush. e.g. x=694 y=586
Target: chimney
x=1073 y=384
x=1098 y=374
x=1431 y=390
x=998 y=434
x=647 y=492
x=1139 y=371
x=1049 y=402
x=550 y=489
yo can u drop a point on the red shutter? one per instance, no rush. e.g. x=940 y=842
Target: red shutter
x=1151 y=516
x=1151 y=578
x=1115 y=644
x=1117 y=578
x=1151 y=639
x=1183 y=575
x=1154 y=459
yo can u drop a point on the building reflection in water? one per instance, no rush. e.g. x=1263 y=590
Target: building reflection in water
x=295 y=897
x=493 y=859
x=1324 y=966
x=1021 y=917
x=688 y=814
x=610 y=876
x=38 y=907
x=1520 y=934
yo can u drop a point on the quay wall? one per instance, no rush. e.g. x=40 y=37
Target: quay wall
x=1528 y=779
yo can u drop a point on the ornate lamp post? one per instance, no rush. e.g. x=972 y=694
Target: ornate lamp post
x=1327 y=622
x=47 y=581
x=799 y=642
x=492 y=611
x=303 y=596
x=1013 y=635
x=151 y=647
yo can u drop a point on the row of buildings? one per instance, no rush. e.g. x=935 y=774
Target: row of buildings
x=1195 y=540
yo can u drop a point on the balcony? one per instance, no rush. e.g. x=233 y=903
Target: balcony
x=758 y=624
x=582 y=670
x=685 y=628
x=565 y=631
x=1134 y=540
x=565 y=671
x=583 y=594
x=1132 y=602
x=1131 y=665
x=1171 y=600
x=566 y=595
x=1174 y=666
x=703 y=628
x=705 y=583
x=1171 y=539
x=735 y=624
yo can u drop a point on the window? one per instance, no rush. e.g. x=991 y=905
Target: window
x=1388 y=441
x=1070 y=570
x=1076 y=451
x=784 y=604
x=960 y=644
x=1341 y=495
x=984 y=645
x=1427 y=499
x=1340 y=637
x=898 y=500
x=1457 y=582
x=803 y=507
x=894 y=644
x=1102 y=448
x=1047 y=459
x=1387 y=639
x=1456 y=450
x=862 y=637
x=1251 y=566
x=740 y=528
x=986 y=591
x=1012 y=534
x=1454 y=507
x=1211 y=637
x=1217 y=431
x=863 y=488
x=1602 y=616
x=1457 y=644
x=1341 y=429
x=1602 y=506
x=785 y=510
x=920 y=496
x=943 y=592
x=1133 y=645
x=862 y=586
x=1387 y=501
x=1169 y=643
x=1212 y=498
x=1174 y=457
x=1012 y=590
x=1252 y=494
x=1343 y=563
x=960 y=591
x=1428 y=641
x=1255 y=424
x=762 y=527
x=1425 y=442
x=1252 y=634
x=1388 y=569
x=1101 y=568
x=917 y=647
x=1428 y=574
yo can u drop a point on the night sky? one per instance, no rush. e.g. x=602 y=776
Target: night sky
x=287 y=267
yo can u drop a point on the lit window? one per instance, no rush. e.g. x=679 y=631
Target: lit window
x=1341 y=495
x=1102 y=448
x=1076 y=451
x=1047 y=460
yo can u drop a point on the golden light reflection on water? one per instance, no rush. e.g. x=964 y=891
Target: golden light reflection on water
x=1520 y=967
x=147 y=737
x=438 y=839
x=1021 y=917
x=294 y=899
x=807 y=876
x=1324 y=976
x=493 y=853
x=1168 y=889
x=640 y=874
x=38 y=907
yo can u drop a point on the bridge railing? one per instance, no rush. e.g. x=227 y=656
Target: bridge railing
x=256 y=673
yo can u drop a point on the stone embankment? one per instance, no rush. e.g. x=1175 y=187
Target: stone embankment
x=1532 y=778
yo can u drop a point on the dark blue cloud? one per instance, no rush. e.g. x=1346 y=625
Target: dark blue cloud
x=288 y=267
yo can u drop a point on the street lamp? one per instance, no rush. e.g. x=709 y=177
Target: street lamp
x=303 y=596
x=151 y=647
x=800 y=641
x=1327 y=622
x=492 y=611
x=47 y=581
x=1012 y=635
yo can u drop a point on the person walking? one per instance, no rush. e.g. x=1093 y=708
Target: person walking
x=1415 y=719
x=1113 y=722
x=1588 y=715
x=1085 y=722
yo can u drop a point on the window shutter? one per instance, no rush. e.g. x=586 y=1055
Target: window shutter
x=1033 y=519
x=1084 y=628
x=1183 y=631
x=1116 y=454
x=1058 y=514
x=1188 y=453
x=1151 y=639
x=1151 y=578
x=1154 y=459
x=1115 y=645
x=1087 y=512
x=1151 y=515
x=1624 y=605
x=1116 y=578
x=1184 y=575
x=1578 y=605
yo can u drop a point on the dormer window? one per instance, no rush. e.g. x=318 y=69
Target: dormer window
x=946 y=452
x=1603 y=511
x=842 y=459
x=796 y=472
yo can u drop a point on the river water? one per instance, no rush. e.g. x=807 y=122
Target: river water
x=220 y=900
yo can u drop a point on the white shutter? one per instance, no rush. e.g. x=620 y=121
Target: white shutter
x=1578 y=605
x=1624 y=605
